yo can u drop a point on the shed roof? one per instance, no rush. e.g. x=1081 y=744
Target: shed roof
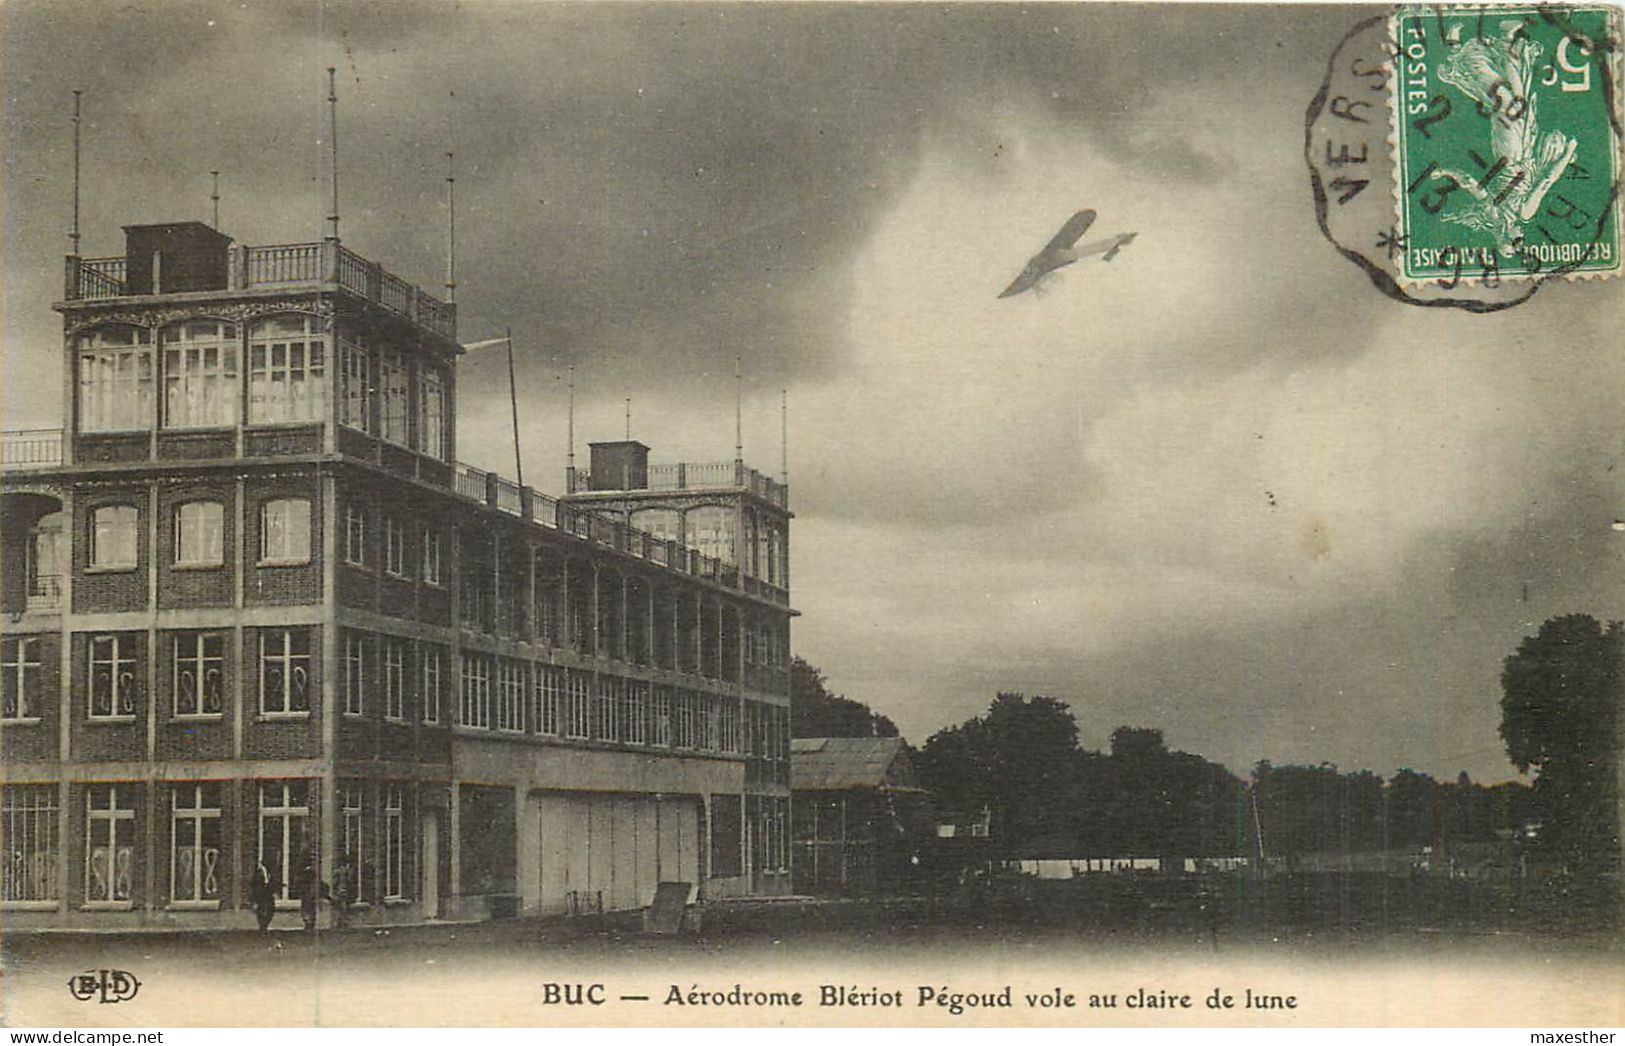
x=821 y=764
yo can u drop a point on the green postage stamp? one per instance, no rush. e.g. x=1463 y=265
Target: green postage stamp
x=1507 y=141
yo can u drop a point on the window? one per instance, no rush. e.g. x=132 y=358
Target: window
x=355 y=390
x=432 y=663
x=195 y=863
x=475 y=707
x=286 y=359
x=20 y=663
x=28 y=823
x=45 y=561
x=109 y=843
x=394 y=843
x=606 y=711
x=355 y=672
x=394 y=546
x=200 y=534
x=285 y=531
x=431 y=556
x=284 y=843
x=350 y=838
x=510 y=694
x=199 y=679
x=114 y=537
x=355 y=535
x=711 y=531
x=575 y=713
x=432 y=424
x=114 y=684
x=284 y=673
x=395 y=678
x=396 y=406
x=728 y=717
x=200 y=374
x=115 y=380
x=637 y=712
x=726 y=825
x=547 y=694
x=660 y=718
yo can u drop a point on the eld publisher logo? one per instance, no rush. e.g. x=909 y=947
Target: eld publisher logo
x=104 y=985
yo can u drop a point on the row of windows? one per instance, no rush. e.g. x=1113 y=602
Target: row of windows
x=287 y=380
x=199 y=534
x=283 y=837
x=393 y=555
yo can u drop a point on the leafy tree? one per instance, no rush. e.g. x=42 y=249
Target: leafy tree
x=816 y=712
x=1560 y=714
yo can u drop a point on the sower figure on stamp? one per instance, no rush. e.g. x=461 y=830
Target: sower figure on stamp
x=261 y=897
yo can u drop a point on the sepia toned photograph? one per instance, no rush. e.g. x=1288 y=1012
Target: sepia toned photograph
x=755 y=514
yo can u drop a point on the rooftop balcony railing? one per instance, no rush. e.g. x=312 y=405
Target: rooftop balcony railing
x=708 y=475
x=285 y=265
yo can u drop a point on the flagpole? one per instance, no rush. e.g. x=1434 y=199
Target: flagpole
x=513 y=401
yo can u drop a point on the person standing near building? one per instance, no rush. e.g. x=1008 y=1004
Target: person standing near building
x=261 y=897
x=311 y=889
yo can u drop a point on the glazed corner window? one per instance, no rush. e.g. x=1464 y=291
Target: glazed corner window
x=20 y=663
x=114 y=683
x=355 y=390
x=287 y=363
x=284 y=671
x=285 y=531
x=113 y=537
x=109 y=843
x=200 y=374
x=355 y=535
x=199 y=679
x=432 y=424
x=115 y=379
x=200 y=534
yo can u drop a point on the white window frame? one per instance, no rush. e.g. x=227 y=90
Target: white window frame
x=117 y=884
x=394 y=546
x=284 y=532
x=278 y=650
x=352 y=832
x=431 y=556
x=201 y=389
x=20 y=661
x=355 y=535
x=432 y=413
x=355 y=387
x=287 y=371
x=394 y=828
x=355 y=673
x=117 y=385
x=547 y=693
x=116 y=654
x=395 y=398
x=510 y=695
x=285 y=810
x=192 y=654
x=200 y=534
x=115 y=537
x=474 y=705
x=204 y=888
x=577 y=705
x=432 y=663
x=394 y=678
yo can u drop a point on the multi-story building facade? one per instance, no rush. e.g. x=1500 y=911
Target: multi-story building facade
x=256 y=613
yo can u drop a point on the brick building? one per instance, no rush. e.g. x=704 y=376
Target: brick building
x=255 y=610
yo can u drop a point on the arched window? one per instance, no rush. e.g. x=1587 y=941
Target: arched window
x=200 y=534
x=287 y=370
x=200 y=374
x=115 y=379
x=662 y=524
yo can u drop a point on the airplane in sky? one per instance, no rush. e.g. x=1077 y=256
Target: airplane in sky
x=1061 y=251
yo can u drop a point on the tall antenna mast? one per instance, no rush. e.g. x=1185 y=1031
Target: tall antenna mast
x=629 y=417
x=333 y=140
x=513 y=401
x=570 y=429
x=739 y=397
x=451 y=231
x=73 y=235
x=214 y=196
x=784 y=437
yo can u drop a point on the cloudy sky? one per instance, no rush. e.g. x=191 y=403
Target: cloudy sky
x=1219 y=486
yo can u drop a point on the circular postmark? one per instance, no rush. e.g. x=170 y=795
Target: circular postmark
x=1390 y=176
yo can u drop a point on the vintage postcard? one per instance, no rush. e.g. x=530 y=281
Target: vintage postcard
x=793 y=514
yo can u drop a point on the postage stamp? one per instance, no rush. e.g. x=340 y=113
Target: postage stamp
x=1506 y=141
